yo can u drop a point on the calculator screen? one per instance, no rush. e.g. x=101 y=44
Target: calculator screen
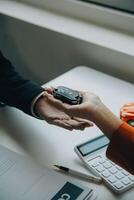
x=93 y=145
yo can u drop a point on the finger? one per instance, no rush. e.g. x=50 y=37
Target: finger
x=47 y=93
x=56 y=102
x=86 y=122
x=75 y=124
x=59 y=104
x=55 y=116
x=71 y=110
x=50 y=90
x=62 y=124
x=67 y=123
x=81 y=120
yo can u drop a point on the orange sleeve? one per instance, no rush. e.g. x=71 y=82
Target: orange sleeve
x=121 y=147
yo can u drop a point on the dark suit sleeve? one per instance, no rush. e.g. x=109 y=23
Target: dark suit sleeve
x=14 y=89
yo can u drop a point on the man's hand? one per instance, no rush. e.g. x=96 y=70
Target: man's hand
x=47 y=109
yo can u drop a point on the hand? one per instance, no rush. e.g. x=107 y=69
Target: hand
x=92 y=109
x=85 y=110
x=47 y=110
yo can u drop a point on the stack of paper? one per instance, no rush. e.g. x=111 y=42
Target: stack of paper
x=21 y=179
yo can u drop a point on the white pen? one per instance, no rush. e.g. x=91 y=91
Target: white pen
x=91 y=178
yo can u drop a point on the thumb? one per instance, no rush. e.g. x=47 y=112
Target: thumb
x=49 y=89
x=73 y=110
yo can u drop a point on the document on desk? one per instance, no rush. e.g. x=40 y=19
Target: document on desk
x=22 y=179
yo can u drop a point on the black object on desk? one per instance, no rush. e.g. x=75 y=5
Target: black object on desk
x=67 y=95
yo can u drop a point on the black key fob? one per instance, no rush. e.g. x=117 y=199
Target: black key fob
x=67 y=95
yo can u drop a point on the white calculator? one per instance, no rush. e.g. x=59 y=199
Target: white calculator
x=92 y=153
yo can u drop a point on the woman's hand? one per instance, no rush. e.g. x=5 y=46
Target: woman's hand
x=86 y=109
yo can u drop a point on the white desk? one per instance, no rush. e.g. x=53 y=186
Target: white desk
x=53 y=145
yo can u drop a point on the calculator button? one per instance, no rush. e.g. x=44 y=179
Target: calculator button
x=118 y=167
x=107 y=159
x=106 y=174
x=112 y=179
x=95 y=164
x=95 y=161
x=125 y=172
x=119 y=175
x=131 y=177
x=113 y=170
x=126 y=181
x=118 y=185
x=100 y=168
x=102 y=160
x=107 y=165
x=112 y=163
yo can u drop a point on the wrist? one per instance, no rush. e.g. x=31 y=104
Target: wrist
x=96 y=110
x=106 y=120
x=36 y=104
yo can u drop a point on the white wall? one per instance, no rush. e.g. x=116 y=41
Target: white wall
x=43 y=54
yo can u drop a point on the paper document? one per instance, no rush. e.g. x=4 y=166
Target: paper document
x=21 y=179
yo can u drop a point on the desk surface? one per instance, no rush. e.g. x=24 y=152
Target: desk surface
x=49 y=144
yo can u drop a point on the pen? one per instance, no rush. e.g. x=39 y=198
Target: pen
x=91 y=178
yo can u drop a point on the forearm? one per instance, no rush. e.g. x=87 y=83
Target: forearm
x=14 y=89
x=105 y=120
x=121 y=147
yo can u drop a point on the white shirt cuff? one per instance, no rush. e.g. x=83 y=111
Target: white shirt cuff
x=33 y=105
